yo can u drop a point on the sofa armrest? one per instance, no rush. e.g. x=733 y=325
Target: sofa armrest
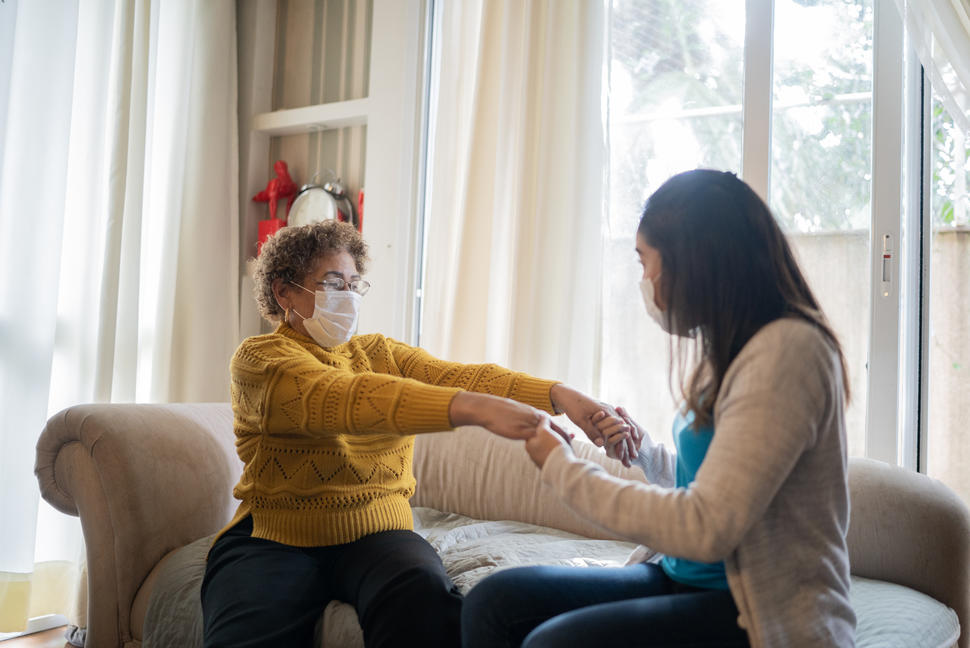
x=144 y=479
x=910 y=529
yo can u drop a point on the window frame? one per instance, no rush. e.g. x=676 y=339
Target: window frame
x=883 y=403
x=915 y=266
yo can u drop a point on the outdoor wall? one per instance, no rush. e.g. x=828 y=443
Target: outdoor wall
x=837 y=266
x=838 y=269
x=949 y=379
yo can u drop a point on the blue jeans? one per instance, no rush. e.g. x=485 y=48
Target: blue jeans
x=637 y=605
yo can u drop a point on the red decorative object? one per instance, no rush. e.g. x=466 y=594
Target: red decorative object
x=282 y=186
x=267 y=227
x=360 y=210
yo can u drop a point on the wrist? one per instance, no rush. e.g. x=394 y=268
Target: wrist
x=465 y=409
x=558 y=394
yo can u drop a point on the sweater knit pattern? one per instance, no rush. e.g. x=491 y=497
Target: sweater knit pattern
x=325 y=434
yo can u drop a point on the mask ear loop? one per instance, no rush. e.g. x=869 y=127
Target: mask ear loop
x=286 y=311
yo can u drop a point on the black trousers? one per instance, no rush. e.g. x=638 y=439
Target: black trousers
x=262 y=593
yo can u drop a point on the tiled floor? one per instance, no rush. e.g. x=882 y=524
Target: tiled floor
x=53 y=638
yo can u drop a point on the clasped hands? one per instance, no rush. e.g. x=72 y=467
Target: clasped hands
x=607 y=427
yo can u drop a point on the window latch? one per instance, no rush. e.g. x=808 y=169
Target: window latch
x=887 y=264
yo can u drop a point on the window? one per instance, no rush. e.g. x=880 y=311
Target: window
x=817 y=132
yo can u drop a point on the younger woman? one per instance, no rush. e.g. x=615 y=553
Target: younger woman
x=752 y=512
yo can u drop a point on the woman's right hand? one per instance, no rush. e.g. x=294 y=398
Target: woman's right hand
x=501 y=416
x=545 y=440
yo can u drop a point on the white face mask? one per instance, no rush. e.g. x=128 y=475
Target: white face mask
x=657 y=315
x=334 y=317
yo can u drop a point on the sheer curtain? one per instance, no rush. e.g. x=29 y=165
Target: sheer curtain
x=118 y=230
x=516 y=187
x=940 y=33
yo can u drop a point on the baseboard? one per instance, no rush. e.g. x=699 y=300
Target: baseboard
x=37 y=624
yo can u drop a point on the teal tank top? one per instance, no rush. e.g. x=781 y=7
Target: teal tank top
x=691 y=449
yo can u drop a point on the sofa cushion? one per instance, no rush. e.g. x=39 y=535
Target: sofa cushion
x=893 y=616
x=889 y=615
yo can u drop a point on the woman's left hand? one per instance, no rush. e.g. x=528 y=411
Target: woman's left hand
x=581 y=410
x=543 y=442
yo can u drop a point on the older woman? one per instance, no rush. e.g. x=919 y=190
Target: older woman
x=324 y=421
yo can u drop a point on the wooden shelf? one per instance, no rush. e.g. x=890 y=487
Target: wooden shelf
x=309 y=119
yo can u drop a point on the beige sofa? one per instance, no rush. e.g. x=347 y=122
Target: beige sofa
x=150 y=481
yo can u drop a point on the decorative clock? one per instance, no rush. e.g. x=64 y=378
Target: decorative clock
x=318 y=202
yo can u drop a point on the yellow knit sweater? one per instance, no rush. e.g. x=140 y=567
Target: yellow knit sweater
x=325 y=434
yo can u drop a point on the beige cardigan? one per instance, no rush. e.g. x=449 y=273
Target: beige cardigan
x=771 y=498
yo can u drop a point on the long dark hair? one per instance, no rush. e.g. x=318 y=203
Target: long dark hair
x=727 y=271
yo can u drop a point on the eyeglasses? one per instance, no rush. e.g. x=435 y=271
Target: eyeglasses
x=359 y=286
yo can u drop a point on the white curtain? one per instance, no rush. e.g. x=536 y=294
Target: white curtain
x=940 y=32
x=516 y=191
x=118 y=231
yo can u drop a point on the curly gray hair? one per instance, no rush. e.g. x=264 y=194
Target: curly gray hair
x=291 y=253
